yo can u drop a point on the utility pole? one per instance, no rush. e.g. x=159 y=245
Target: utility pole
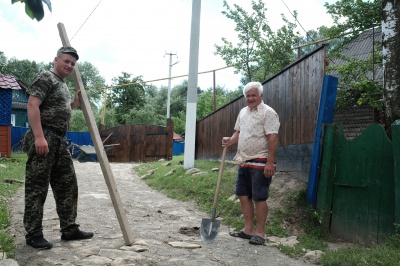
x=169 y=83
x=191 y=106
x=215 y=93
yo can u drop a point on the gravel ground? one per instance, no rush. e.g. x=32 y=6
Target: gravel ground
x=156 y=221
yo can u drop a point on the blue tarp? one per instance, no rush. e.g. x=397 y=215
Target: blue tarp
x=79 y=138
x=83 y=138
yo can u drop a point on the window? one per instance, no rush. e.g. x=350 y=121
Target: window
x=13 y=120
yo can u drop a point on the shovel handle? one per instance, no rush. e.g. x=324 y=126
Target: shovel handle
x=221 y=169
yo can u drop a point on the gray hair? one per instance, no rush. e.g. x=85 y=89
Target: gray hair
x=253 y=85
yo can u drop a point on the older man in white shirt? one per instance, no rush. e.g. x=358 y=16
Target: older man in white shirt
x=256 y=132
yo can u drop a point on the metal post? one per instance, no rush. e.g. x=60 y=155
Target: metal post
x=190 y=133
x=215 y=92
x=169 y=84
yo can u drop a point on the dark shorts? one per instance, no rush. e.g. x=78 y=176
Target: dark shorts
x=251 y=182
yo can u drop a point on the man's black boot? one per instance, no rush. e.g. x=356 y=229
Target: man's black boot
x=76 y=234
x=38 y=242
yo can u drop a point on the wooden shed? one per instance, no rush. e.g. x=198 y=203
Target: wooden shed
x=7 y=84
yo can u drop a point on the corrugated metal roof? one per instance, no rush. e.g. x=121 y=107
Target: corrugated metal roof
x=19 y=105
x=361 y=48
x=9 y=82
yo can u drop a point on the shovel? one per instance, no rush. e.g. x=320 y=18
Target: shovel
x=209 y=227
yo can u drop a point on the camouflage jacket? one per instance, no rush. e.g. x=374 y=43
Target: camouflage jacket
x=55 y=110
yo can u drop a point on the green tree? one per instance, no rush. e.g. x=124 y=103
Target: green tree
x=356 y=84
x=24 y=70
x=205 y=102
x=180 y=122
x=179 y=98
x=353 y=15
x=154 y=109
x=78 y=122
x=128 y=94
x=3 y=61
x=260 y=52
x=92 y=81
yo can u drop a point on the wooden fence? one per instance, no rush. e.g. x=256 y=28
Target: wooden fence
x=294 y=93
x=139 y=143
x=359 y=186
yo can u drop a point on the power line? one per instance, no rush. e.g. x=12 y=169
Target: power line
x=297 y=20
x=86 y=20
x=174 y=77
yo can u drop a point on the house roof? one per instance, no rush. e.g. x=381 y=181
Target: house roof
x=9 y=82
x=177 y=136
x=19 y=105
x=360 y=48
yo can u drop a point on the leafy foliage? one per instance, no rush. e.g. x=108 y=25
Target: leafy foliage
x=356 y=84
x=92 y=81
x=24 y=70
x=259 y=52
x=205 y=102
x=127 y=97
x=78 y=122
x=353 y=15
x=34 y=8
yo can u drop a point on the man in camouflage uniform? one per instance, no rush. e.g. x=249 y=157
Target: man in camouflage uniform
x=49 y=160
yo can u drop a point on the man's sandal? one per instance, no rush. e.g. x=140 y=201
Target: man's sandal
x=240 y=234
x=257 y=240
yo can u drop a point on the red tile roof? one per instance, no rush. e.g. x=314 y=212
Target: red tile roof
x=176 y=136
x=9 y=82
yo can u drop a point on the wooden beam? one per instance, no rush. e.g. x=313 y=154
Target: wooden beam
x=98 y=145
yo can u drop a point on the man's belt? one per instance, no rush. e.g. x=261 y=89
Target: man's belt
x=258 y=163
x=56 y=131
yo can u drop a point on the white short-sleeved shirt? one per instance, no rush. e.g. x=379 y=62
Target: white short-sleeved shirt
x=254 y=126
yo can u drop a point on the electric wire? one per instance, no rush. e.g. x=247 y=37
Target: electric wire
x=86 y=19
x=297 y=21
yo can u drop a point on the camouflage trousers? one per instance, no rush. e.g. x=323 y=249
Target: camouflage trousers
x=55 y=169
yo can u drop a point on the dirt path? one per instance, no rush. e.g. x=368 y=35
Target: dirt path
x=155 y=220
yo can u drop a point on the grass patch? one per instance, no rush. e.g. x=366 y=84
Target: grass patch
x=12 y=175
x=382 y=254
x=386 y=253
x=197 y=187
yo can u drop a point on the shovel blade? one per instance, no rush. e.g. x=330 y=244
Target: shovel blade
x=209 y=229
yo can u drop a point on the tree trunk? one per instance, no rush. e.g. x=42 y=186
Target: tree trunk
x=391 y=60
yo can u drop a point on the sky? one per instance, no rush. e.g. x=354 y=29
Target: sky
x=140 y=37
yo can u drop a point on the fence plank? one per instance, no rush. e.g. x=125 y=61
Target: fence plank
x=101 y=155
x=363 y=201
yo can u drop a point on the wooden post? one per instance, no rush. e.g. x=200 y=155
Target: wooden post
x=98 y=145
